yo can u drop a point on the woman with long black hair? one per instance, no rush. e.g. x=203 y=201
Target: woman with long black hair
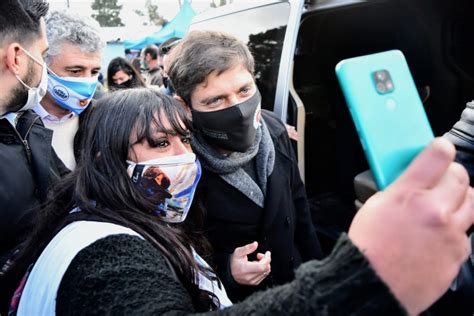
x=122 y=75
x=112 y=239
x=92 y=206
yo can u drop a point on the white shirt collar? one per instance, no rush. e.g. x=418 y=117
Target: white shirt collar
x=11 y=117
x=46 y=117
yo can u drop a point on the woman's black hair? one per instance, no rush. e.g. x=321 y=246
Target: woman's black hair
x=118 y=64
x=101 y=188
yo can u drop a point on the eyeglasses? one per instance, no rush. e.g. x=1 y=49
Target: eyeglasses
x=166 y=49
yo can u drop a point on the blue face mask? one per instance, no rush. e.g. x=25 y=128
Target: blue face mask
x=73 y=94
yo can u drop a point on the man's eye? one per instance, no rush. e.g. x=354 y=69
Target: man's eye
x=245 y=90
x=214 y=101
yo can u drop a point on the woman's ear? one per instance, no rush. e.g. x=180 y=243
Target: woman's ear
x=185 y=106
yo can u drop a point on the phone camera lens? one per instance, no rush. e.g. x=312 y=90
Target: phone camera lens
x=380 y=75
x=381 y=87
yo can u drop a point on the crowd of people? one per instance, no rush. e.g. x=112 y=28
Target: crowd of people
x=172 y=191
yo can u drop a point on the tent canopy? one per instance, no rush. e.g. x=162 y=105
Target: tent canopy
x=177 y=27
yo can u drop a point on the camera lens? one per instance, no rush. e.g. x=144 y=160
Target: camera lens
x=381 y=87
x=380 y=75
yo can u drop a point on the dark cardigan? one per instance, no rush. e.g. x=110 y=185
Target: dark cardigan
x=125 y=275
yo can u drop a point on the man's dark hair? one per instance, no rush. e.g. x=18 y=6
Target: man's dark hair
x=199 y=54
x=20 y=20
x=152 y=50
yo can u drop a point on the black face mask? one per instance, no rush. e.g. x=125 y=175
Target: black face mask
x=124 y=85
x=233 y=128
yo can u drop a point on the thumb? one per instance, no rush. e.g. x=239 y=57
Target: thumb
x=246 y=250
x=429 y=166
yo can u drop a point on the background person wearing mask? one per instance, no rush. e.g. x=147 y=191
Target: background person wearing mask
x=122 y=75
x=251 y=187
x=150 y=63
x=163 y=51
x=73 y=61
x=28 y=164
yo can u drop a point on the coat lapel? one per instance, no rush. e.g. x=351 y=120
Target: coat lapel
x=277 y=188
x=40 y=140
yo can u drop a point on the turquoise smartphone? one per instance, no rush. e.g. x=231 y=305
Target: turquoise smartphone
x=387 y=111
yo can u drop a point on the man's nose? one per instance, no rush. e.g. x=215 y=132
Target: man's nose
x=233 y=100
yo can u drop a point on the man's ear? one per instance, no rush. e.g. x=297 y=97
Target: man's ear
x=13 y=58
x=185 y=106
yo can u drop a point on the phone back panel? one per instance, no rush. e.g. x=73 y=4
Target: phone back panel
x=392 y=126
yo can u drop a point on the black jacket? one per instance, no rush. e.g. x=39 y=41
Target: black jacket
x=126 y=275
x=28 y=166
x=462 y=136
x=462 y=290
x=154 y=77
x=283 y=227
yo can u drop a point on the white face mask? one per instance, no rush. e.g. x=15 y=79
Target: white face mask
x=170 y=182
x=35 y=95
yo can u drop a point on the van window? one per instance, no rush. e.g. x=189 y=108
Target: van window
x=263 y=30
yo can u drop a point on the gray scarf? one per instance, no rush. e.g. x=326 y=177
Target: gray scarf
x=229 y=168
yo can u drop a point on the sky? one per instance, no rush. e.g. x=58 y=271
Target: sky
x=167 y=8
x=133 y=22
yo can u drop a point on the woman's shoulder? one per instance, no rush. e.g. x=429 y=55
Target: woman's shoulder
x=116 y=252
x=119 y=273
x=47 y=272
x=118 y=249
x=100 y=243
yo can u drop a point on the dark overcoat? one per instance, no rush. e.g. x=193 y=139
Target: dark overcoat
x=283 y=226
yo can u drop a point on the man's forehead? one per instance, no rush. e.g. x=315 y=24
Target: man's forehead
x=231 y=79
x=72 y=55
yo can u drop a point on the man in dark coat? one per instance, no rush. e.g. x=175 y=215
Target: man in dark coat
x=250 y=187
x=153 y=67
x=28 y=164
